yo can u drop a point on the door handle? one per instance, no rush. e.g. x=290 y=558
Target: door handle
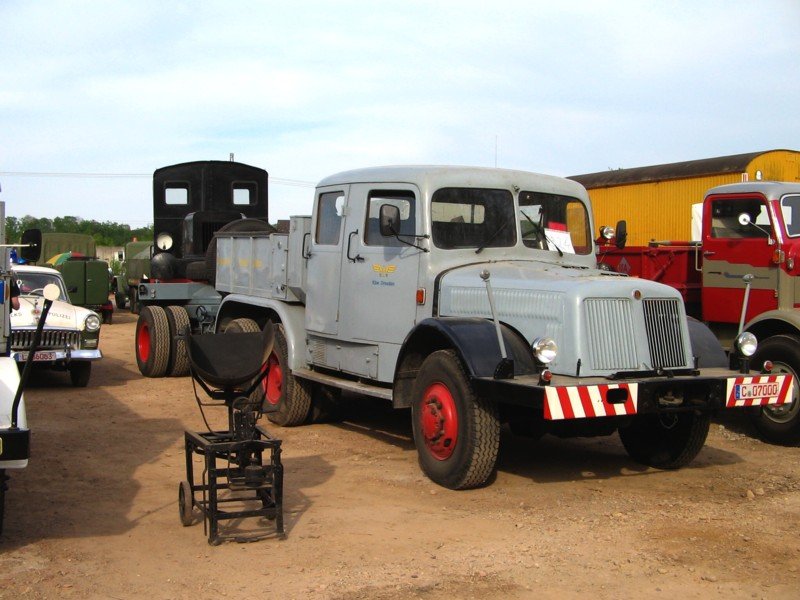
x=709 y=253
x=357 y=257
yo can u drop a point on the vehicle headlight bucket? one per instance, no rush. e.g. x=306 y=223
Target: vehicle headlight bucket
x=91 y=322
x=746 y=343
x=545 y=349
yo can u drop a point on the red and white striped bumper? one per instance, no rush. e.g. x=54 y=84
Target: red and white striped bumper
x=759 y=390
x=587 y=401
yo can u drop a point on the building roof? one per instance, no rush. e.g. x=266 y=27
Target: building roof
x=736 y=163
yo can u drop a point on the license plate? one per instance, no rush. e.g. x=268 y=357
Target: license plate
x=41 y=355
x=748 y=391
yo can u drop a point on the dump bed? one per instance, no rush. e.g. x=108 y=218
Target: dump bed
x=266 y=265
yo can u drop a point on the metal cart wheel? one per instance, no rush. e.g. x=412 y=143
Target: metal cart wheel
x=185 y=503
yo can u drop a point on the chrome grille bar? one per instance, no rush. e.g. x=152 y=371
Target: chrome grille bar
x=51 y=339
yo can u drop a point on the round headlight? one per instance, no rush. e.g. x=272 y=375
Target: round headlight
x=164 y=241
x=746 y=343
x=545 y=349
x=607 y=232
x=92 y=322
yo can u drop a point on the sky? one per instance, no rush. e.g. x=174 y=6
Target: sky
x=96 y=95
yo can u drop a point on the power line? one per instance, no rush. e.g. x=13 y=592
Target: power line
x=275 y=180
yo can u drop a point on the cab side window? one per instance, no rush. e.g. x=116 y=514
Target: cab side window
x=405 y=201
x=330 y=212
x=725 y=219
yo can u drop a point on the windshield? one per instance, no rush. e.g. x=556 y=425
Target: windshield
x=553 y=222
x=32 y=284
x=790 y=206
x=472 y=218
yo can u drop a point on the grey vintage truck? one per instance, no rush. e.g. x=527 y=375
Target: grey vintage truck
x=473 y=297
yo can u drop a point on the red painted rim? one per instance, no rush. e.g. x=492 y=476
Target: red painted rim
x=143 y=342
x=273 y=382
x=439 y=421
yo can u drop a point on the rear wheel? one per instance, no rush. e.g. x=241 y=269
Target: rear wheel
x=152 y=342
x=456 y=431
x=120 y=300
x=79 y=373
x=667 y=441
x=287 y=399
x=178 y=320
x=133 y=296
x=780 y=424
x=185 y=503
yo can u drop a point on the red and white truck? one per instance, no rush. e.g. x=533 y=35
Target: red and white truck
x=742 y=275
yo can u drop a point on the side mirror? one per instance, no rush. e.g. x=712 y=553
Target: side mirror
x=744 y=219
x=621 y=234
x=51 y=292
x=31 y=245
x=389 y=220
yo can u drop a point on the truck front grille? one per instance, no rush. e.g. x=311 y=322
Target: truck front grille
x=51 y=339
x=662 y=319
x=610 y=334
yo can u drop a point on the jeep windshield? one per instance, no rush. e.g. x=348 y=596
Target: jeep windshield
x=32 y=284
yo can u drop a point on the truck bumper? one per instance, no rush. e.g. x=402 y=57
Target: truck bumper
x=570 y=398
x=15 y=448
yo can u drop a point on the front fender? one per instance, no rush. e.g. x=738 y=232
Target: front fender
x=774 y=322
x=292 y=316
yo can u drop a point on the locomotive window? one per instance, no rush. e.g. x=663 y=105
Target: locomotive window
x=244 y=195
x=176 y=193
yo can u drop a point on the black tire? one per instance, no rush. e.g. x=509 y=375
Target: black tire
x=456 y=431
x=669 y=441
x=287 y=399
x=152 y=342
x=185 y=504
x=79 y=373
x=238 y=226
x=133 y=296
x=178 y=320
x=3 y=489
x=108 y=316
x=120 y=300
x=779 y=424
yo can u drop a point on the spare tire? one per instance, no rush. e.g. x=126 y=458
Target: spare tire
x=238 y=226
x=196 y=270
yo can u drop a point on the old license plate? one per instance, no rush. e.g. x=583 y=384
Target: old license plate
x=41 y=355
x=746 y=391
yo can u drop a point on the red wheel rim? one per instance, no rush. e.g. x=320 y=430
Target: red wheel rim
x=439 y=421
x=143 y=342
x=273 y=382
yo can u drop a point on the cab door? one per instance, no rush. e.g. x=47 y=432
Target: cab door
x=380 y=274
x=325 y=261
x=732 y=250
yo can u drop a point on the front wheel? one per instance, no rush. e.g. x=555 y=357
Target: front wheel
x=666 y=441
x=456 y=431
x=780 y=424
x=79 y=373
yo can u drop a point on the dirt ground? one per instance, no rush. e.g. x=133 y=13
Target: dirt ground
x=95 y=514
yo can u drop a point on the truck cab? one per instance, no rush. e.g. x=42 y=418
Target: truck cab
x=473 y=297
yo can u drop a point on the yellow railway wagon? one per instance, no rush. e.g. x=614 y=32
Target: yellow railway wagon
x=657 y=201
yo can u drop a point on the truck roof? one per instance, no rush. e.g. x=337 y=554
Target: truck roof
x=428 y=177
x=770 y=189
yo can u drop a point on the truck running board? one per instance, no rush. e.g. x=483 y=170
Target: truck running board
x=344 y=384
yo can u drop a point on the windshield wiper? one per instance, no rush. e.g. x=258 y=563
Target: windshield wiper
x=540 y=232
x=497 y=231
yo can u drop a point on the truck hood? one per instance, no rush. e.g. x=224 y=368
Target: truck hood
x=62 y=314
x=603 y=321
